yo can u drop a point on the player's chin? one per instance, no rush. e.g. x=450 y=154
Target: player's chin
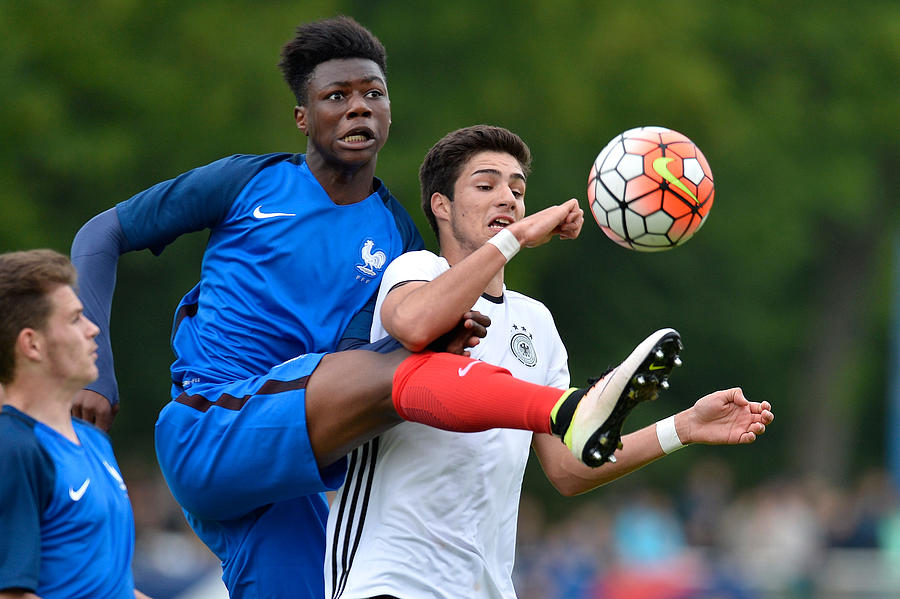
x=358 y=156
x=90 y=375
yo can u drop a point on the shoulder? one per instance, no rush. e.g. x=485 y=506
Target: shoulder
x=21 y=452
x=253 y=161
x=523 y=301
x=17 y=433
x=419 y=257
x=196 y=200
x=235 y=171
x=230 y=171
x=420 y=264
x=229 y=174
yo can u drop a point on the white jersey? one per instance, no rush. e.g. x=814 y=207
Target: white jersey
x=427 y=513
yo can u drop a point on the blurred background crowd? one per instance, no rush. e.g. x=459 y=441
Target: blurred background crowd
x=786 y=538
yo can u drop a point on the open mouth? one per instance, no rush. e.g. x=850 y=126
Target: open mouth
x=358 y=136
x=501 y=222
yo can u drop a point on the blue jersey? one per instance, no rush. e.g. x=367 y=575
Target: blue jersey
x=285 y=272
x=66 y=524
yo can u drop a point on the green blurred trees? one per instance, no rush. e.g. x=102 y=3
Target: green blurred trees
x=785 y=291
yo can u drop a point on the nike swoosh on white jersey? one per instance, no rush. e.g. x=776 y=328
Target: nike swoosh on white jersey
x=465 y=371
x=258 y=213
x=77 y=495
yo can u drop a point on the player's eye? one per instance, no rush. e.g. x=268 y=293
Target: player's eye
x=375 y=93
x=336 y=95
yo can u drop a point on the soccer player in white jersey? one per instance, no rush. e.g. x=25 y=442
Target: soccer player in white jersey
x=432 y=513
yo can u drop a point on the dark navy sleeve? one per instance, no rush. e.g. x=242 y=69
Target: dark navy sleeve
x=196 y=200
x=360 y=327
x=95 y=254
x=27 y=476
x=358 y=331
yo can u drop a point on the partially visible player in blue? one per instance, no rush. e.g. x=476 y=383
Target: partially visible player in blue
x=66 y=527
x=261 y=422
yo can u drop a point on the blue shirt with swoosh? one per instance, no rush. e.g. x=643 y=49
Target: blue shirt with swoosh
x=66 y=526
x=286 y=271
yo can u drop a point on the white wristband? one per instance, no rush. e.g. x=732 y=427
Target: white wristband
x=667 y=435
x=506 y=242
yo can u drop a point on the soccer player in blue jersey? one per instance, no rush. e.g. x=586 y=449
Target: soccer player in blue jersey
x=261 y=419
x=65 y=518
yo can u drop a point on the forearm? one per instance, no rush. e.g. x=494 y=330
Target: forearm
x=571 y=477
x=434 y=308
x=723 y=417
x=424 y=311
x=95 y=254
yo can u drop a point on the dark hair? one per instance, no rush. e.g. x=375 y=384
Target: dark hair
x=444 y=161
x=324 y=40
x=26 y=278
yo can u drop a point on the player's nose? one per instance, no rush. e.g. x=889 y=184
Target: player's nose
x=505 y=198
x=358 y=106
x=91 y=329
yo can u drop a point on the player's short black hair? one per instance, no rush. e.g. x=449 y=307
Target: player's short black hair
x=444 y=161
x=324 y=40
x=26 y=279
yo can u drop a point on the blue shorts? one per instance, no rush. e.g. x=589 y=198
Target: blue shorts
x=238 y=459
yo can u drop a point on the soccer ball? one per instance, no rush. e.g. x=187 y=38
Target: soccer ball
x=650 y=189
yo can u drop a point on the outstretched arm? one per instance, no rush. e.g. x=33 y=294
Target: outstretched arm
x=418 y=312
x=720 y=418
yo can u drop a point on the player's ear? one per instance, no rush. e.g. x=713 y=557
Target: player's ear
x=440 y=206
x=300 y=119
x=29 y=344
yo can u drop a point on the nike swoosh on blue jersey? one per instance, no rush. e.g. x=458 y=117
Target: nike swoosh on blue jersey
x=77 y=495
x=258 y=213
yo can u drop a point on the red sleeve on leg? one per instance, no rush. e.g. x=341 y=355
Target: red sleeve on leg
x=455 y=393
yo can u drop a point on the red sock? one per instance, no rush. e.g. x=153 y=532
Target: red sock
x=454 y=393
